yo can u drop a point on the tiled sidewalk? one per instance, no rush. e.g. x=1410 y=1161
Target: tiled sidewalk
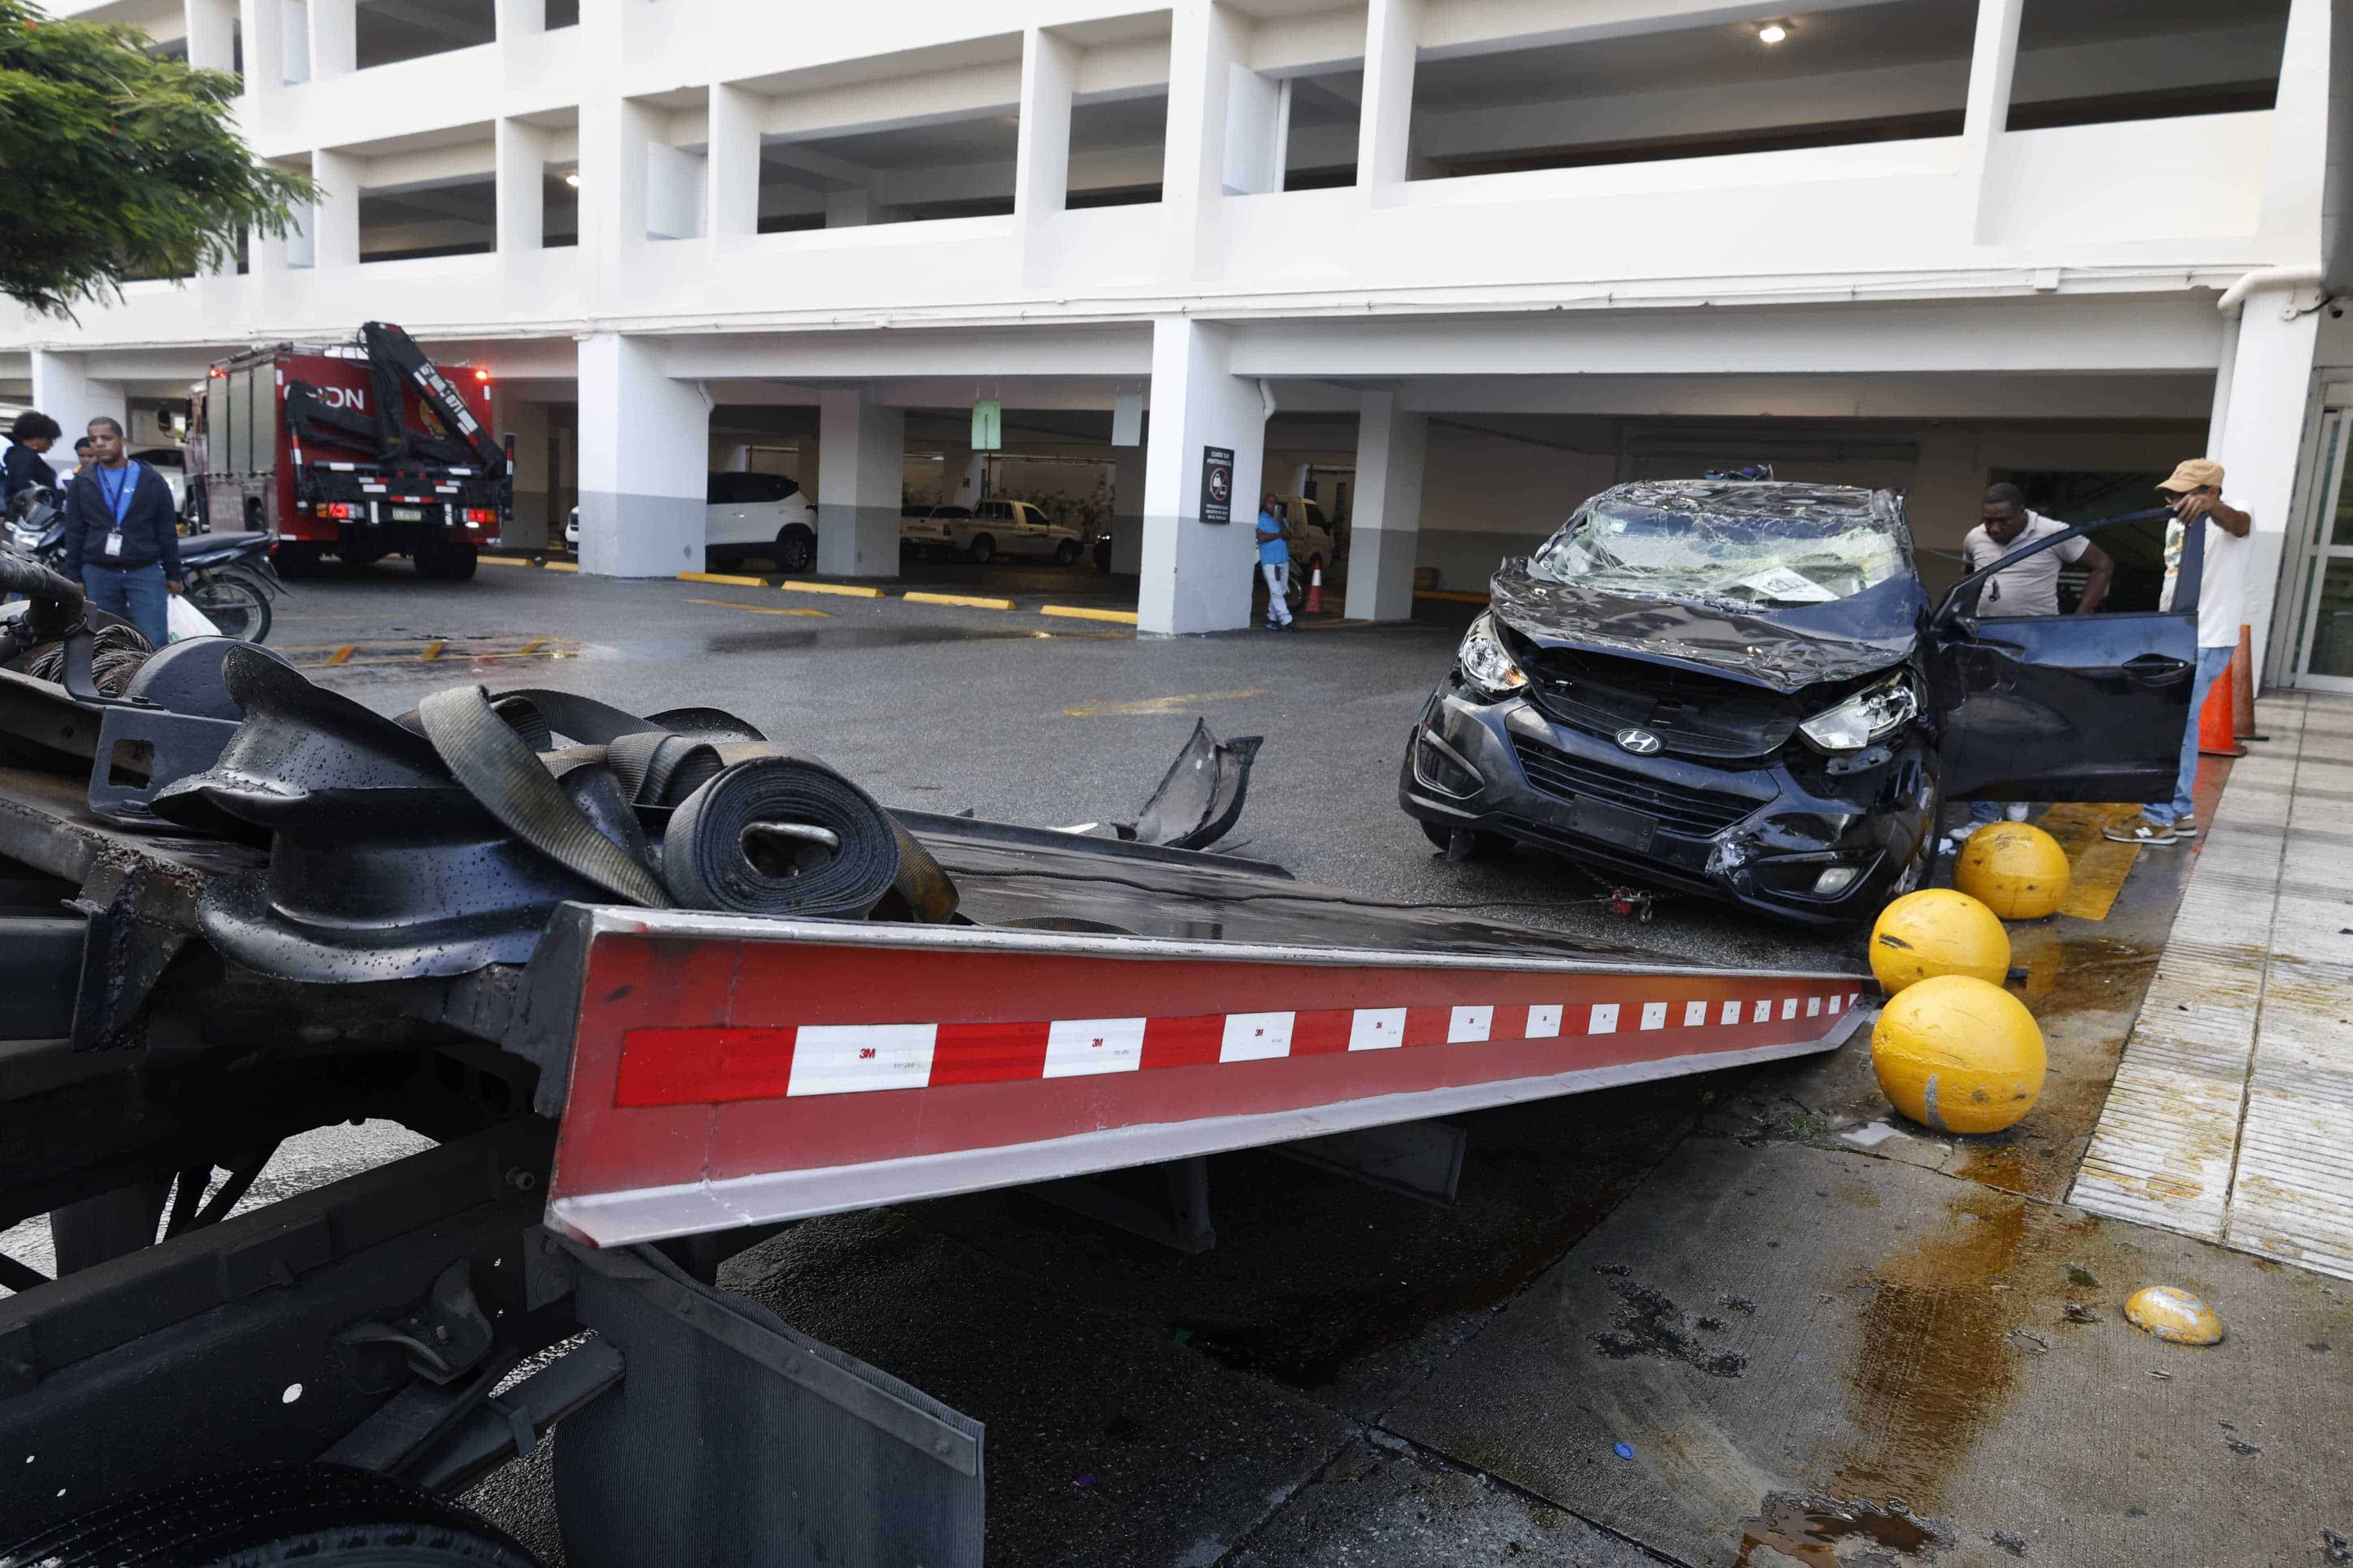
x=2231 y=1114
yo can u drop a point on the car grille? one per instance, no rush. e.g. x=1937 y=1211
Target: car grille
x=1695 y=714
x=1695 y=813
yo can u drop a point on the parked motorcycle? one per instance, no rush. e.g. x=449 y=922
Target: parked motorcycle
x=229 y=576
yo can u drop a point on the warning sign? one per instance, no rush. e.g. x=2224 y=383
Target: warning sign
x=1216 y=484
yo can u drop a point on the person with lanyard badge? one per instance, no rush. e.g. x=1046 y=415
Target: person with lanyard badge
x=2212 y=583
x=1274 y=566
x=121 y=541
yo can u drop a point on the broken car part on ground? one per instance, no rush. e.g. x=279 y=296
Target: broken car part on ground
x=1738 y=689
x=656 y=987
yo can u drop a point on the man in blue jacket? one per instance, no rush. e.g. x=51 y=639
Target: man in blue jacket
x=122 y=541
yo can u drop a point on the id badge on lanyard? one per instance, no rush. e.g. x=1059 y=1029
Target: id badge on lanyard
x=113 y=498
x=114 y=543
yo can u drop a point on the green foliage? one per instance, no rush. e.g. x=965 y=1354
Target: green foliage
x=119 y=165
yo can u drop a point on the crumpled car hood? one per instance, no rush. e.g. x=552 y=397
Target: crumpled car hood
x=1784 y=651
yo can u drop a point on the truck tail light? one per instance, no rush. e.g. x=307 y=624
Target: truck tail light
x=476 y=516
x=341 y=511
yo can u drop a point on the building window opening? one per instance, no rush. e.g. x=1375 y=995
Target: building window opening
x=947 y=169
x=386 y=31
x=448 y=217
x=1118 y=148
x=1319 y=145
x=2089 y=62
x=562 y=14
x=559 y=205
x=1890 y=71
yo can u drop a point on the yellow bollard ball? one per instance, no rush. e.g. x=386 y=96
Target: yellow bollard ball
x=1937 y=932
x=2014 y=869
x=1958 y=1054
x=2166 y=1312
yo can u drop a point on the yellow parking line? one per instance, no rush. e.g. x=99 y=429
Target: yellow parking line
x=1175 y=704
x=432 y=651
x=764 y=609
x=1081 y=613
x=722 y=577
x=342 y=655
x=846 y=590
x=975 y=600
x=1449 y=594
x=2098 y=866
x=562 y=566
x=505 y=560
x=532 y=645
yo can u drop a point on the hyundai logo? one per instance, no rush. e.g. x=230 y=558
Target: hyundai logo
x=1642 y=743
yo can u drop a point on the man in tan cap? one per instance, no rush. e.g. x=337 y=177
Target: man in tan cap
x=2212 y=582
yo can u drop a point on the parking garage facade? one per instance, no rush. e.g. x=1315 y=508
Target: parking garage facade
x=1445 y=267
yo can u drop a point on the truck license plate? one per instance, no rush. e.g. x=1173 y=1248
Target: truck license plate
x=408 y=514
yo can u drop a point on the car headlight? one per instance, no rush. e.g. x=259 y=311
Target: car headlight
x=1486 y=663
x=1863 y=717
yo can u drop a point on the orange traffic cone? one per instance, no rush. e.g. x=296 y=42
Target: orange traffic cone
x=1315 y=592
x=2242 y=687
x=2216 y=721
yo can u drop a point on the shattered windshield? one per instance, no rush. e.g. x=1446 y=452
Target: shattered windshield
x=1756 y=546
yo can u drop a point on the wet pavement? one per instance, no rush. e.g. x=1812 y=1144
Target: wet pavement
x=1821 y=1335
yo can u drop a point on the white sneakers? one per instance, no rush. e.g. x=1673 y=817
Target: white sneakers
x=2141 y=831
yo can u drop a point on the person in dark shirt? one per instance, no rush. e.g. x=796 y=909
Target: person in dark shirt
x=122 y=541
x=22 y=467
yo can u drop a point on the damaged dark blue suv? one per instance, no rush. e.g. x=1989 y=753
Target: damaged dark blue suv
x=1738 y=688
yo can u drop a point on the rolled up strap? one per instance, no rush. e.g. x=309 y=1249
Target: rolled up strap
x=779 y=836
x=502 y=772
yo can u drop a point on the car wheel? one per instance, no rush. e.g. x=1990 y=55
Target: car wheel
x=1066 y=552
x=796 y=548
x=983 y=549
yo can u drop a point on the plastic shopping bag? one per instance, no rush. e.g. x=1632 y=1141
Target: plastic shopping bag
x=184 y=620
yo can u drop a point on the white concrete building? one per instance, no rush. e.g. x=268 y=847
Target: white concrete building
x=1455 y=264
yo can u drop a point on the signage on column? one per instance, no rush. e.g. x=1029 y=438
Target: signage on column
x=1216 y=484
x=987 y=425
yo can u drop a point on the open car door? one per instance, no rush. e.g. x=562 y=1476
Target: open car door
x=2060 y=707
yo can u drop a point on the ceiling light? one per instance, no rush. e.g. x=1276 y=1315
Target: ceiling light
x=572 y=179
x=1771 y=33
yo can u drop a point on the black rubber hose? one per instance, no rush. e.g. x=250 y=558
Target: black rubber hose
x=778 y=836
x=37 y=582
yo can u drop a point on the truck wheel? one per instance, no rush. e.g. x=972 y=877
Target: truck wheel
x=1066 y=552
x=426 y=558
x=459 y=561
x=982 y=550
x=796 y=548
x=294 y=558
x=320 y=1516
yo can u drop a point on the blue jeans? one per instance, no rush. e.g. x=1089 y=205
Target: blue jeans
x=2211 y=663
x=134 y=593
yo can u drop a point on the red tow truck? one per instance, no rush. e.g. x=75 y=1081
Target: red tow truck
x=358 y=450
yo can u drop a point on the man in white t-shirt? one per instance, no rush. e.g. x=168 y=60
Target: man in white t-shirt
x=2029 y=588
x=2212 y=582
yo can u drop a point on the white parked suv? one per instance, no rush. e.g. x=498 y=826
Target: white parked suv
x=745 y=515
x=989 y=530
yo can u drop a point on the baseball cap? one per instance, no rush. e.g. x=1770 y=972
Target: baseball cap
x=2193 y=474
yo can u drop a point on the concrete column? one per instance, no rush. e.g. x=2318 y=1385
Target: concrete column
x=864 y=448
x=645 y=445
x=853 y=208
x=64 y=390
x=960 y=475
x=263 y=25
x=522 y=163
x=1992 y=63
x=1385 y=121
x=1386 y=532
x=1041 y=168
x=733 y=177
x=520 y=18
x=615 y=136
x=533 y=525
x=334 y=38
x=1203 y=48
x=1256 y=118
x=212 y=35
x=336 y=218
x=1195 y=575
x=675 y=196
x=1127 y=510
x=2263 y=431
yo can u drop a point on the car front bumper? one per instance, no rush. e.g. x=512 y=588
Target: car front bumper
x=1761 y=837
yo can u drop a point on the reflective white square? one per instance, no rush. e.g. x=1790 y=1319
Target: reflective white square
x=1813 y=1007
x=1376 y=1029
x=1654 y=1015
x=853 y=1058
x=1789 y=1006
x=1731 y=1012
x=1694 y=1014
x=1251 y=1037
x=1468 y=1024
x=1544 y=1023
x=1764 y=1012
x=1078 y=1046
x=1605 y=1019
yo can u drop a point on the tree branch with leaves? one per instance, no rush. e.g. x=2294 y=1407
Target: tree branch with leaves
x=121 y=165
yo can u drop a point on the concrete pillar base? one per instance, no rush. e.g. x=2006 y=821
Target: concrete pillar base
x=1196 y=575
x=1385 y=534
x=644 y=440
x=864 y=449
